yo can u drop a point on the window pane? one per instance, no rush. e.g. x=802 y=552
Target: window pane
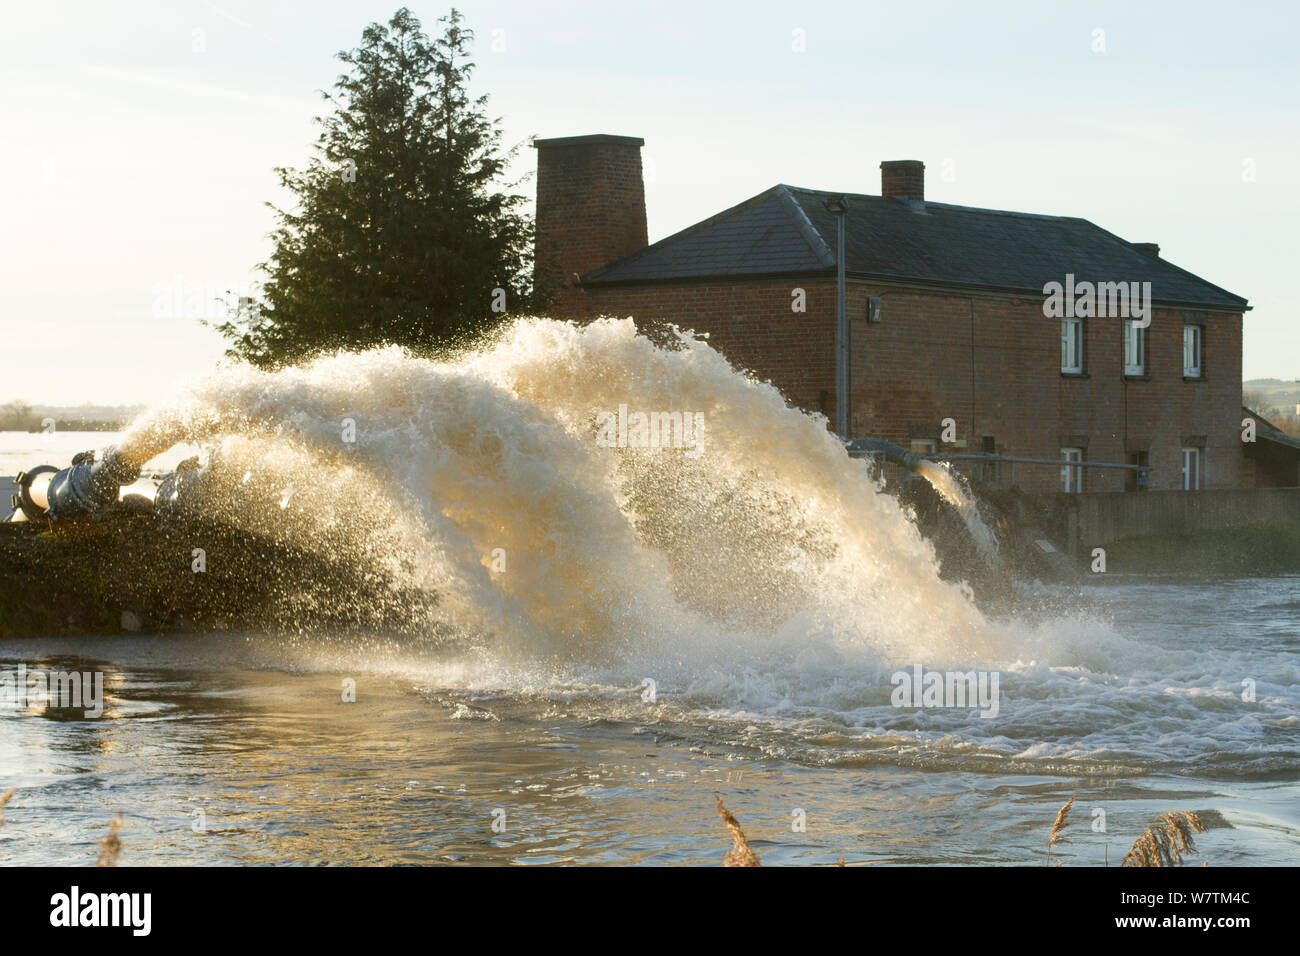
x=1191 y=350
x=1134 y=348
x=1071 y=345
x=1071 y=477
x=1191 y=469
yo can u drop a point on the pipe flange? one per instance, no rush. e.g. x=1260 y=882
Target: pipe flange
x=23 y=480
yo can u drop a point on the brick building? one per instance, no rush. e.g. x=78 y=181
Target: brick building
x=947 y=315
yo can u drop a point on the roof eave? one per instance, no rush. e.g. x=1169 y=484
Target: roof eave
x=593 y=280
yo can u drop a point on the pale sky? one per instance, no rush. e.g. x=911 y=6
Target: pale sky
x=139 y=152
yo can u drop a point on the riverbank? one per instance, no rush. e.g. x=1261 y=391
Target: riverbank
x=129 y=574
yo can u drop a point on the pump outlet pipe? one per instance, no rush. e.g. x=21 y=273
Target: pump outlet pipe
x=79 y=492
x=878 y=446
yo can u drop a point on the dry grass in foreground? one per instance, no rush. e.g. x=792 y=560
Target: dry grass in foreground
x=1166 y=840
x=1162 y=844
x=111 y=845
x=740 y=854
x=1058 y=829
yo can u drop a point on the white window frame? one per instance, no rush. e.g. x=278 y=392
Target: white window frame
x=1193 y=351
x=1071 y=475
x=1195 y=457
x=1135 y=348
x=1071 y=346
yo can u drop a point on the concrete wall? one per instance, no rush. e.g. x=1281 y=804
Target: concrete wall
x=1084 y=522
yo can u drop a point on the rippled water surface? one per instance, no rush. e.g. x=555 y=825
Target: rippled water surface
x=225 y=749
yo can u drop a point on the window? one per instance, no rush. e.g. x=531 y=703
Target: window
x=923 y=446
x=1192 y=336
x=1071 y=476
x=1135 y=348
x=1191 y=469
x=1072 y=346
x=988 y=470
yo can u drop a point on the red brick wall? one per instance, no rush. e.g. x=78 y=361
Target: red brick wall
x=752 y=324
x=993 y=365
x=590 y=210
x=990 y=363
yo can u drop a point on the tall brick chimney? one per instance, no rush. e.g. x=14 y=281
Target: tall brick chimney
x=903 y=178
x=590 y=211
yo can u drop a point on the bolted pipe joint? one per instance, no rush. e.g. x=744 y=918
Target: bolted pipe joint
x=178 y=491
x=85 y=488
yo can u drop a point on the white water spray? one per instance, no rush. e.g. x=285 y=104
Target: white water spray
x=954 y=491
x=770 y=532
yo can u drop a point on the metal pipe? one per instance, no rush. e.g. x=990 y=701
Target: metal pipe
x=938 y=456
x=842 y=324
x=178 y=490
x=79 y=492
x=912 y=461
x=839 y=206
x=895 y=453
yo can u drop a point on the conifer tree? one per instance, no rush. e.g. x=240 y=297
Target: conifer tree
x=402 y=232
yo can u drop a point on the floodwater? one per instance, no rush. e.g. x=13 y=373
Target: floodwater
x=625 y=627
x=225 y=749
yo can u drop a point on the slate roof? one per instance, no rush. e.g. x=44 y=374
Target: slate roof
x=787 y=230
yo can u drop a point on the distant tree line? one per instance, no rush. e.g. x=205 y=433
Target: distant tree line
x=1281 y=416
x=19 y=416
